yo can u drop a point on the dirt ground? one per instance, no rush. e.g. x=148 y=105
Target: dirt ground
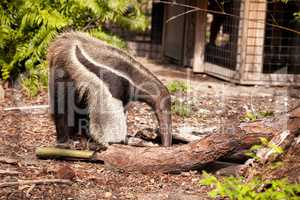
x=213 y=102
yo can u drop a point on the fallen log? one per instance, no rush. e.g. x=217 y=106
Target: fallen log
x=177 y=158
x=160 y=159
x=153 y=159
x=174 y=159
x=192 y=155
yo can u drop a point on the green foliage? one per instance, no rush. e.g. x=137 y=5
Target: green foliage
x=181 y=108
x=254 y=116
x=276 y=150
x=110 y=39
x=249 y=116
x=28 y=26
x=236 y=188
x=35 y=80
x=283 y=1
x=297 y=16
x=177 y=86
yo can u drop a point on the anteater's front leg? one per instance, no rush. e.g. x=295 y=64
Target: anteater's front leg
x=61 y=89
x=64 y=129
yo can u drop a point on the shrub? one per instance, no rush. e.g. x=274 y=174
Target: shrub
x=236 y=188
x=177 y=86
x=264 y=143
x=254 y=116
x=27 y=27
x=181 y=108
x=35 y=80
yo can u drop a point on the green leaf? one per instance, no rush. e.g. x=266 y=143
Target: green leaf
x=110 y=39
x=208 y=179
x=264 y=141
x=28 y=26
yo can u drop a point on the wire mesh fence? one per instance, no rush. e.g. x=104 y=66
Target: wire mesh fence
x=249 y=43
x=222 y=34
x=282 y=47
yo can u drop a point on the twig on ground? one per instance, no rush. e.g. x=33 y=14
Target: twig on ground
x=27 y=107
x=186 y=137
x=29 y=190
x=29 y=182
x=138 y=142
x=8 y=172
x=8 y=160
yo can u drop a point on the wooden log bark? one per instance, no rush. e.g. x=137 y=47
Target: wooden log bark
x=168 y=159
x=162 y=159
x=197 y=153
x=188 y=156
x=176 y=158
x=172 y=159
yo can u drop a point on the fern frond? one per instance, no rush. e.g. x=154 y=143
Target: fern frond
x=28 y=26
x=53 y=19
x=140 y=23
x=38 y=46
x=6 y=32
x=29 y=20
x=46 y=36
x=90 y=4
x=5 y=18
x=119 y=6
x=110 y=39
x=5 y=71
x=22 y=52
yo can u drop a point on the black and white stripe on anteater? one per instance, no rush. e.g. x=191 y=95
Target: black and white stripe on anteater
x=89 y=79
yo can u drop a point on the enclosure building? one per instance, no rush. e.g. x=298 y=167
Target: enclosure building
x=246 y=46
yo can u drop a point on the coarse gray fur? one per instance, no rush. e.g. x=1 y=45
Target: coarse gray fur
x=90 y=80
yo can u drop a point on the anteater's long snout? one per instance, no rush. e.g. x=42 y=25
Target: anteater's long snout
x=166 y=139
x=165 y=120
